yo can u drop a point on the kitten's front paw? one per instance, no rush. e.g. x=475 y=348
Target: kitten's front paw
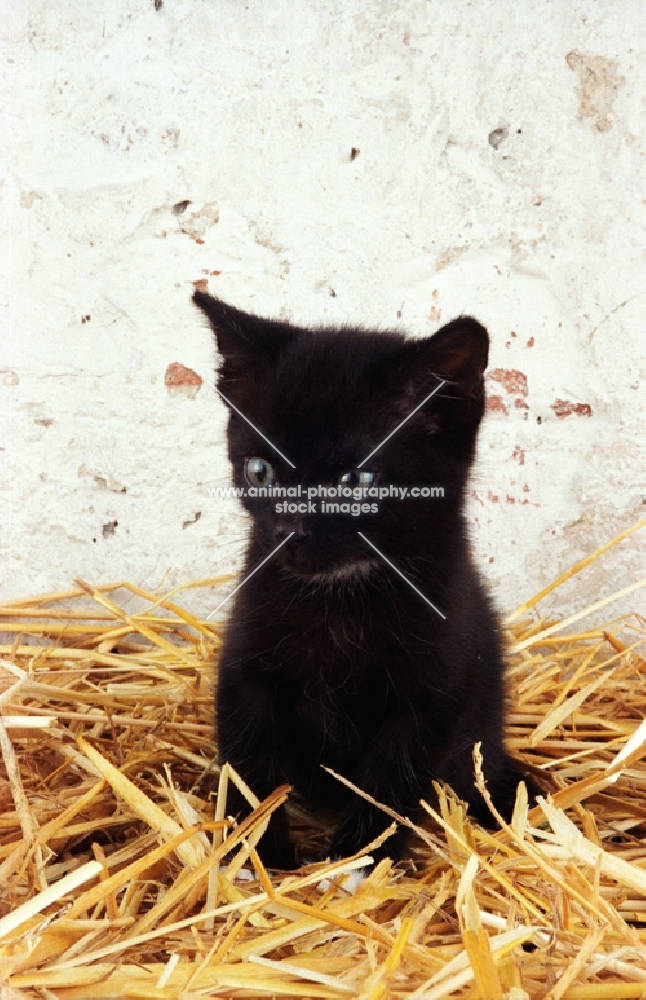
x=349 y=881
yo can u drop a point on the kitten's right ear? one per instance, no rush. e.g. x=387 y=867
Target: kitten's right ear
x=241 y=335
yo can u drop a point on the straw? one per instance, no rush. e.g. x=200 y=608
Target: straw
x=121 y=871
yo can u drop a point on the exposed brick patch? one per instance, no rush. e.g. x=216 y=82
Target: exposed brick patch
x=512 y=381
x=181 y=380
x=496 y=404
x=564 y=408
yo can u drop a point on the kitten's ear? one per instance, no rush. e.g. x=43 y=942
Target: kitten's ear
x=240 y=335
x=459 y=351
x=457 y=354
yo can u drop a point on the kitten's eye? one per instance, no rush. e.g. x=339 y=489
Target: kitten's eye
x=258 y=472
x=358 y=477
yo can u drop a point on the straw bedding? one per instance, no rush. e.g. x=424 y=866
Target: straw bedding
x=121 y=875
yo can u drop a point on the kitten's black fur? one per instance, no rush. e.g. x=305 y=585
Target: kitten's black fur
x=330 y=657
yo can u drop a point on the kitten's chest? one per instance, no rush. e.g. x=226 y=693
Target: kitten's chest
x=341 y=677
x=344 y=649
x=338 y=663
x=330 y=646
x=334 y=701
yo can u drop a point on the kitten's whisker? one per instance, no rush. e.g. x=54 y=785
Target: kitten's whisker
x=401 y=424
x=392 y=566
x=249 y=575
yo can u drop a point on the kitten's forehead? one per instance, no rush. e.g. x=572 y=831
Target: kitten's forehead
x=326 y=368
x=351 y=348
x=324 y=393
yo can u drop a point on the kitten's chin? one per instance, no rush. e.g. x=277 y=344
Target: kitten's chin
x=349 y=573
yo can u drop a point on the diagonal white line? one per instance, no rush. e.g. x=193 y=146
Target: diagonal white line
x=249 y=575
x=392 y=566
x=388 y=436
x=241 y=414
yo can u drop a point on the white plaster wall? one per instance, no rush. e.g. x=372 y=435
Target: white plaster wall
x=501 y=153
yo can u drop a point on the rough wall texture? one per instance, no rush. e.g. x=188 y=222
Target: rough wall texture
x=391 y=164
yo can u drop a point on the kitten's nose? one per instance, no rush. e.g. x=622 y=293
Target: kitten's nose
x=291 y=526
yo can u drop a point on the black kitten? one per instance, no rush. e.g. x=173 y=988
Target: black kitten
x=331 y=657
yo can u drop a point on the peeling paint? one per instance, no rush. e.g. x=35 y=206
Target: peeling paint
x=102 y=480
x=497 y=136
x=448 y=257
x=196 y=224
x=27 y=198
x=597 y=88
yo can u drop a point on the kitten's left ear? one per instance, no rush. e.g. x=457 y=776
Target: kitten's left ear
x=459 y=351
x=457 y=354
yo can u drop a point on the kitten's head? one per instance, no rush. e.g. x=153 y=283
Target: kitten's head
x=307 y=408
